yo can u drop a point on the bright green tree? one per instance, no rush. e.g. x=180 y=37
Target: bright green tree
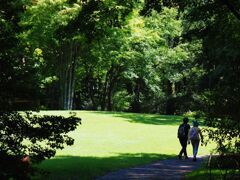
x=62 y=29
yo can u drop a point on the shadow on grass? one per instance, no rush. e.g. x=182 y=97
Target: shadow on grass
x=75 y=167
x=215 y=174
x=147 y=118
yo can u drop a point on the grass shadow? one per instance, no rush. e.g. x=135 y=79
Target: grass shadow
x=204 y=172
x=215 y=174
x=147 y=118
x=75 y=167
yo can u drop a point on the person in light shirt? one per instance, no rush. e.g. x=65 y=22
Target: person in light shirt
x=195 y=136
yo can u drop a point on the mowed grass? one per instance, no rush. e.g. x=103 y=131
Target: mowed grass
x=109 y=141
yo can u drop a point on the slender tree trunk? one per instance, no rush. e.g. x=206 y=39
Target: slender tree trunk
x=136 y=102
x=109 y=96
x=91 y=90
x=67 y=74
x=65 y=89
x=110 y=88
x=170 y=105
x=73 y=81
x=104 y=93
x=71 y=71
x=110 y=81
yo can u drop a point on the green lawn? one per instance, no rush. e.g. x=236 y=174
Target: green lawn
x=109 y=141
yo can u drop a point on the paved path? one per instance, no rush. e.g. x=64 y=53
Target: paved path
x=165 y=169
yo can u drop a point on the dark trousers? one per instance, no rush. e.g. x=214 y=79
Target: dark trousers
x=183 y=142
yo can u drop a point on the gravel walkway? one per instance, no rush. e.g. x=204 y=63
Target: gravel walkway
x=165 y=169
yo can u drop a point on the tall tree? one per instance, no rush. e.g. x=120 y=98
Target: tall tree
x=62 y=31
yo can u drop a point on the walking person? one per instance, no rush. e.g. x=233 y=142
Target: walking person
x=183 y=130
x=195 y=135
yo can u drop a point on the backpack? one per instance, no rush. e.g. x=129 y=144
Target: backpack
x=193 y=134
x=181 y=131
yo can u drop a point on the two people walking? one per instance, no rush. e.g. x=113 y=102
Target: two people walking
x=187 y=135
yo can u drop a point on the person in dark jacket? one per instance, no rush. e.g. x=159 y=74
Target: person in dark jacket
x=183 y=130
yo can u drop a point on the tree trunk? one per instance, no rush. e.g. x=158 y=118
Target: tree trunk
x=136 y=107
x=170 y=104
x=110 y=82
x=110 y=88
x=67 y=74
x=109 y=96
x=104 y=93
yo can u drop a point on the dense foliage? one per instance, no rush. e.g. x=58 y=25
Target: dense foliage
x=219 y=86
x=34 y=136
x=74 y=55
x=16 y=74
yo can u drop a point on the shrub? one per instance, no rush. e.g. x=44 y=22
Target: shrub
x=225 y=132
x=25 y=135
x=121 y=101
